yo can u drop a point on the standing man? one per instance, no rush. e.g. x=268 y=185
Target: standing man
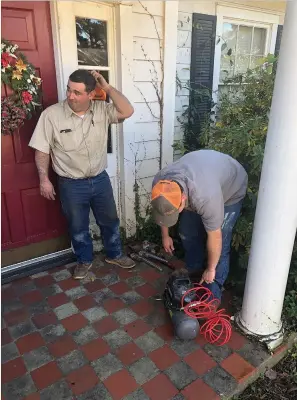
x=207 y=188
x=74 y=135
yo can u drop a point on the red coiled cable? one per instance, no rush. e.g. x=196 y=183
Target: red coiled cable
x=217 y=328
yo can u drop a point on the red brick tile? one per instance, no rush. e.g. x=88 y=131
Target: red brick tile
x=62 y=346
x=160 y=388
x=8 y=294
x=120 y=288
x=199 y=361
x=150 y=275
x=42 y=320
x=165 y=332
x=33 y=396
x=120 y=384
x=237 y=367
x=146 y=290
x=280 y=349
x=69 y=283
x=29 y=342
x=113 y=305
x=129 y=353
x=46 y=375
x=137 y=328
x=106 y=325
x=31 y=297
x=5 y=337
x=237 y=341
x=12 y=369
x=178 y=264
x=82 y=380
x=22 y=281
x=74 y=322
x=200 y=339
x=94 y=286
x=125 y=273
x=164 y=357
x=198 y=386
x=95 y=349
x=85 y=302
x=44 y=281
x=16 y=316
x=57 y=300
x=142 y=308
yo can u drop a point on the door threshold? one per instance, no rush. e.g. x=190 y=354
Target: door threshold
x=35 y=265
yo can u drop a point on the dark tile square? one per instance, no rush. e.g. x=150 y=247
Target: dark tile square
x=254 y=353
x=221 y=382
x=131 y=297
x=19 y=388
x=143 y=370
x=117 y=338
x=22 y=329
x=9 y=352
x=58 y=391
x=110 y=279
x=107 y=365
x=71 y=361
x=52 y=332
x=85 y=335
x=184 y=347
x=36 y=358
x=218 y=353
x=181 y=375
x=99 y=392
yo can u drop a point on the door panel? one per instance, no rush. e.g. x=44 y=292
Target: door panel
x=26 y=216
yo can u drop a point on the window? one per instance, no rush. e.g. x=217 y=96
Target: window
x=92 y=51
x=247 y=44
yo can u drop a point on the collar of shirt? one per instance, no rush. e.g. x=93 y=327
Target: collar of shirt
x=69 y=112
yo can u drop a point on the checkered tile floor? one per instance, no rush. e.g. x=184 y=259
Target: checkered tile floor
x=108 y=339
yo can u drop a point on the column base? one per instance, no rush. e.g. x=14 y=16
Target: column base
x=272 y=341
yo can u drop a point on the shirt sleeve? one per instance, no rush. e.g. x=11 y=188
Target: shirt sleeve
x=111 y=113
x=42 y=137
x=212 y=213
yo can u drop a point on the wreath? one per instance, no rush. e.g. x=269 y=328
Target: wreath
x=20 y=76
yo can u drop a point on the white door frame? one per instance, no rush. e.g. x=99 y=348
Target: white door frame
x=66 y=61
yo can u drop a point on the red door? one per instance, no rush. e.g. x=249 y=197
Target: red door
x=26 y=216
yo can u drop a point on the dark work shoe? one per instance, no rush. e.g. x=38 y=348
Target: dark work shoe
x=123 y=262
x=81 y=270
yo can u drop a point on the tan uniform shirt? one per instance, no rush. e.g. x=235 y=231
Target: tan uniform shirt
x=78 y=146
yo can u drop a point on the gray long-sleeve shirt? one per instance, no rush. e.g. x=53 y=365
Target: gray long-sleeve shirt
x=210 y=181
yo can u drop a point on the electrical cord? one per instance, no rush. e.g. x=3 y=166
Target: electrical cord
x=217 y=328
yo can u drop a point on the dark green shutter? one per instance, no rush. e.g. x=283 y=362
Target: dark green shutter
x=278 y=40
x=201 y=76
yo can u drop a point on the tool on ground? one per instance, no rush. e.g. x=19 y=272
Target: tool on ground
x=137 y=257
x=147 y=254
x=187 y=302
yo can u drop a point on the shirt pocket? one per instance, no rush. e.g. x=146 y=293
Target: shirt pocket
x=100 y=128
x=70 y=141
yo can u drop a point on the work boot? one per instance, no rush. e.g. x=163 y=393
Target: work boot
x=81 y=270
x=123 y=262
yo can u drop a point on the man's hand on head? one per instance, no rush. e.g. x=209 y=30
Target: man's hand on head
x=101 y=81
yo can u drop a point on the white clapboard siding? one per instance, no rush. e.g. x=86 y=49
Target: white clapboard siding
x=184 y=39
x=179 y=118
x=145 y=91
x=183 y=55
x=147 y=131
x=153 y=7
x=146 y=112
x=183 y=71
x=146 y=27
x=185 y=21
x=147 y=71
x=147 y=150
x=178 y=133
x=145 y=185
x=147 y=168
x=181 y=103
x=144 y=48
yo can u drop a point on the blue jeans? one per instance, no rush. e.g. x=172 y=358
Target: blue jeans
x=193 y=236
x=78 y=197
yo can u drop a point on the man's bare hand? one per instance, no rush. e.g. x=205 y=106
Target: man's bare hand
x=101 y=82
x=168 y=244
x=208 y=276
x=47 y=190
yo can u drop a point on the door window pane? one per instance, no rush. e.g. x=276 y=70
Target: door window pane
x=91 y=37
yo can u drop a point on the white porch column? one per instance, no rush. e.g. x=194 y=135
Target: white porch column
x=276 y=214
